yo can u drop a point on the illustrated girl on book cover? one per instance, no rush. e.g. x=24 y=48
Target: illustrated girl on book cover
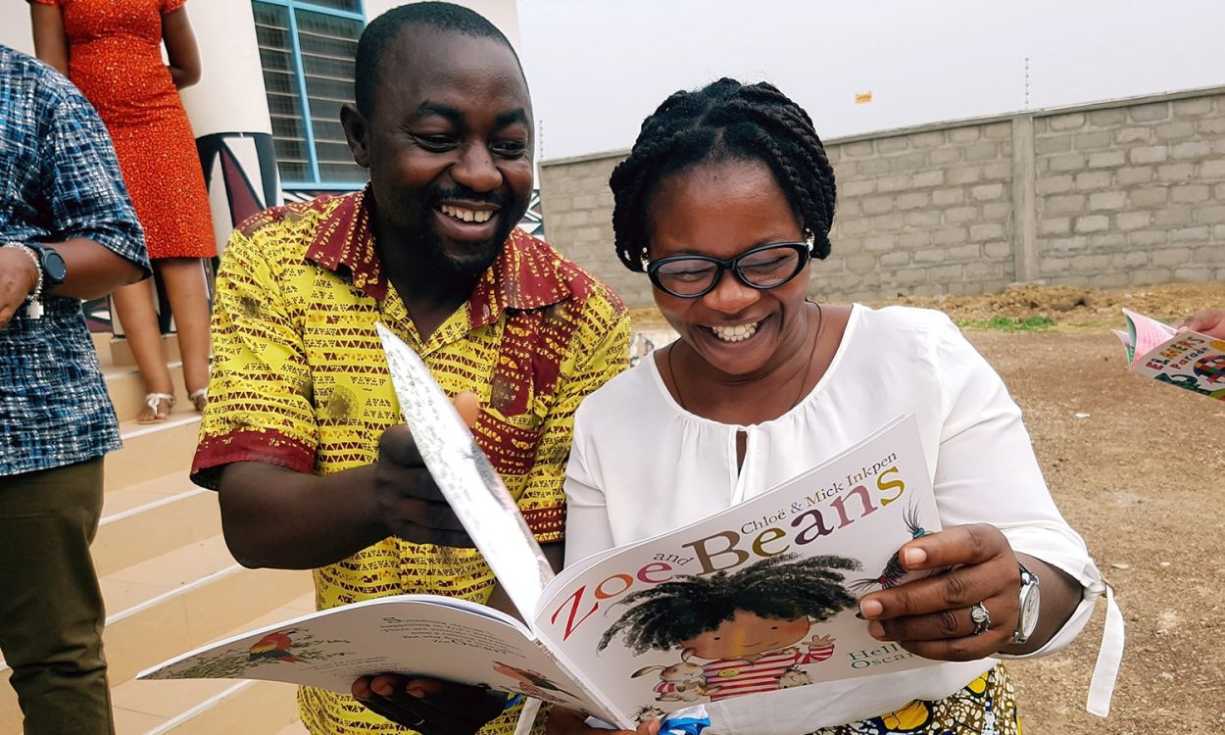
x=747 y=627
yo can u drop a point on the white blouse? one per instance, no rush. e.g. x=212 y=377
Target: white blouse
x=641 y=465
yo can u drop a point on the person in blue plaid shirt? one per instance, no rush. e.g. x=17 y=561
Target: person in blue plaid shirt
x=67 y=233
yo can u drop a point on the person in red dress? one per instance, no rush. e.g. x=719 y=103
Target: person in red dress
x=111 y=49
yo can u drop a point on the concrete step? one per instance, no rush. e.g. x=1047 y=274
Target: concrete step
x=151 y=451
x=211 y=706
x=102 y=346
x=194 y=707
x=10 y=713
x=127 y=390
x=243 y=707
x=114 y=350
x=179 y=600
x=143 y=521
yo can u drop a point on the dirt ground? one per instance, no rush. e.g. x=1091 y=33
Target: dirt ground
x=1137 y=468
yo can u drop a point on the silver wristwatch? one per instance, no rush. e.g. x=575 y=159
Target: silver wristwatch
x=1030 y=605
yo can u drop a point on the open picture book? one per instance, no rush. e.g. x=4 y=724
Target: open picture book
x=628 y=633
x=1186 y=359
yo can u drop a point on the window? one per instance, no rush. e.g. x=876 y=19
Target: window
x=307 y=49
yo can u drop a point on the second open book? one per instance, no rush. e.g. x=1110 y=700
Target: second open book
x=747 y=602
x=1189 y=360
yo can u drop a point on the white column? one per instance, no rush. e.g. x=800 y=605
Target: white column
x=230 y=94
x=228 y=109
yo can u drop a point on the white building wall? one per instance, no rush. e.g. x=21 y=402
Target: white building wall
x=15 y=27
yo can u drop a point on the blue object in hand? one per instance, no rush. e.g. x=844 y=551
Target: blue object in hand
x=689 y=721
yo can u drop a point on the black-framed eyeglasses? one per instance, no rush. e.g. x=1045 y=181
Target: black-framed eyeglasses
x=762 y=267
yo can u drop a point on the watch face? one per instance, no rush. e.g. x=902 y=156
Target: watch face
x=1029 y=612
x=54 y=268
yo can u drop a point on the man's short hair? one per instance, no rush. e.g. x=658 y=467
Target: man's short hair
x=386 y=28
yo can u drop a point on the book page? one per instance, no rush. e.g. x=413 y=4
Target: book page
x=410 y=634
x=1146 y=335
x=1128 y=347
x=631 y=622
x=467 y=479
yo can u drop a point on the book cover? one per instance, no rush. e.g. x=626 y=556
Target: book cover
x=1186 y=359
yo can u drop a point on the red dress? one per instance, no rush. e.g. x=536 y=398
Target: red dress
x=115 y=58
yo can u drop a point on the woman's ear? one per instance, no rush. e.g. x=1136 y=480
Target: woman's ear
x=357 y=132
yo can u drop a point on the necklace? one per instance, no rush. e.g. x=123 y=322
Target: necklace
x=799 y=393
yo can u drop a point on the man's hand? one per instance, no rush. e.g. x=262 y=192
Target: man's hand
x=1206 y=321
x=18 y=276
x=568 y=722
x=429 y=706
x=930 y=617
x=407 y=497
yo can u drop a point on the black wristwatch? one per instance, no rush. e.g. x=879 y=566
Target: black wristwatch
x=51 y=263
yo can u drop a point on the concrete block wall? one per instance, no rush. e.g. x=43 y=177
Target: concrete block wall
x=1110 y=194
x=1132 y=195
x=923 y=212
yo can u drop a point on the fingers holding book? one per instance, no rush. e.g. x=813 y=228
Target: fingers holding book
x=409 y=501
x=429 y=706
x=935 y=616
x=564 y=721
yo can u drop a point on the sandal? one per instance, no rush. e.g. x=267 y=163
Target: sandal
x=156 y=413
x=199 y=399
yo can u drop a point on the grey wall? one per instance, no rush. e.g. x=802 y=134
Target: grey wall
x=1118 y=193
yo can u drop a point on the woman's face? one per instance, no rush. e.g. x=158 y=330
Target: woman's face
x=722 y=209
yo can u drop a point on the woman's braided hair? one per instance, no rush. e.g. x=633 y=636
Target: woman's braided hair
x=725 y=120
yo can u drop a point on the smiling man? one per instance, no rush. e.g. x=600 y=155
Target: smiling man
x=301 y=434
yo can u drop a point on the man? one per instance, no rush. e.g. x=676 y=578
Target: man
x=300 y=436
x=67 y=232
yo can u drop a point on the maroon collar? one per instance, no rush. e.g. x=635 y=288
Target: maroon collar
x=526 y=274
x=345 y=238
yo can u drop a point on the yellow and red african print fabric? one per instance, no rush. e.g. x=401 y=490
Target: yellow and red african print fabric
x=300 y=380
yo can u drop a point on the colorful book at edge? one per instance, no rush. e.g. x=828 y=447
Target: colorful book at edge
x=1189 y=360
x=607 y=635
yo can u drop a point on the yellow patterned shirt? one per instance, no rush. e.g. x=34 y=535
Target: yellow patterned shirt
x=300 y=380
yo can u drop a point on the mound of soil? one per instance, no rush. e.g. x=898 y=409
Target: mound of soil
x=1071 y=308
x=1077 y=307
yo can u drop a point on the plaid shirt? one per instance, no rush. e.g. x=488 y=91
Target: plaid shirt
x=59 y=180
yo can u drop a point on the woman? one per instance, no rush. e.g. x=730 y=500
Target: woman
x=724 y=199
x=111 y=49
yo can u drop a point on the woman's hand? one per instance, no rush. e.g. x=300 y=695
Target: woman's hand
x=429 y=706
x=564 y=721
x=930 y=617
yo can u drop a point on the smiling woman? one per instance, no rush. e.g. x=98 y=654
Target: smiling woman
x=726 y=201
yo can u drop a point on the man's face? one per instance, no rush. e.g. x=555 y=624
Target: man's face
x=449 y=147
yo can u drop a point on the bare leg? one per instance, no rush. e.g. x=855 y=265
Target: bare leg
x=187 y=290
x=134 y=307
